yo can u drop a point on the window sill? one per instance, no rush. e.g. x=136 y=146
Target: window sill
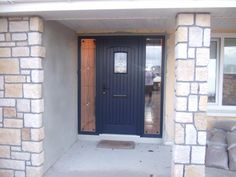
x=222 y=111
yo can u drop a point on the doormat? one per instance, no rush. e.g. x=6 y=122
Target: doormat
x=110 y=144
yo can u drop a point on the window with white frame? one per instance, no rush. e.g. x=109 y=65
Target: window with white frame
x=222 y=73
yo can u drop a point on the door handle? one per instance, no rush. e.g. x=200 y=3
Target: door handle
x=104 y=89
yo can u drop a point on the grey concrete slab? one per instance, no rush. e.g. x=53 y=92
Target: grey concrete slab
x=85 y=160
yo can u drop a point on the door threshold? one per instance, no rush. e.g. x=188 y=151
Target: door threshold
x=116 y=137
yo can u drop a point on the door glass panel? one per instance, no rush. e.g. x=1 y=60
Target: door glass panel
x=87 y=115
x=229 y=82
x=153 y=81
x=120 y=62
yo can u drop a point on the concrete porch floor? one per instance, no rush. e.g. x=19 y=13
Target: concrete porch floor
x=85 y=160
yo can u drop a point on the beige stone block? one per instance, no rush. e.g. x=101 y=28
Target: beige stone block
x=202 y=56
x=201 y=138
x=20 y=174
x=203 y=88
x=9 y=66
x=33 y=120
x=203 y=20
x=20 y=155
x=198 y=154
x=181 y=154
x=37 y=76
x=7 y=102
x=10 y=136
x=37 y=106
x=182 y=89
x=179 y=133
x=194 y=88
x=191 y=52
x=19 y=36
x=195 y=37
x=13 y=90
x=184 y=70
x=181 y=51
x=20 y=51
x=194 y=171
x=5 y=152
x=1 y=83
x=181 y=34
x=6 y=173
x=19 y=26
x=22 y=44
x=181 y=103
x=7 y=44
x=38 y=51
x=1 y=115
x=8 y=36
x=16 y=148
x=9 y=112
x=15 y=79
x=37 y=134
x=183 y=117
x=207 y=37
x=2 y=37
x=193 y=103
x=178 y=170
x=32 y=90
x=5 y=52
x=35 y=147
x=26 y=134
x=13 y=123
x=190 y=134
x=3 y=25
x=37 y=159
x=200 y=121
x=31 y=63
x=36 y=24
x=203 y=102
x=23 y=105
x=35 y=38
x=185 y=19
x=34 y=171
x=12 y=164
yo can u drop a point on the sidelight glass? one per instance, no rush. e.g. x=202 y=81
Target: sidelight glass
x=153 y=83
x=212 y=71
x=87 y=113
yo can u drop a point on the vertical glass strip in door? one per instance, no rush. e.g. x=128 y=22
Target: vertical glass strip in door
x=153 y=83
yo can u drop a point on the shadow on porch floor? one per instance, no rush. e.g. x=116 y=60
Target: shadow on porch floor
x=85 y=160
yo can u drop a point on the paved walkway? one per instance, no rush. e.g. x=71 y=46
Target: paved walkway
x=85 y=160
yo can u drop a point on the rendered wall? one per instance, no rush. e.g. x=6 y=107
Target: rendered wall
x=60 y=90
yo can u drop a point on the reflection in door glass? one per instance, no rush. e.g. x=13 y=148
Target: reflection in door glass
x=153 y=86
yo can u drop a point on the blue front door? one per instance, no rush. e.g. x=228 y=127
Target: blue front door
x=120 y=84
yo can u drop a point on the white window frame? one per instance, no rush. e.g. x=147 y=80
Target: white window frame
x=217 y=109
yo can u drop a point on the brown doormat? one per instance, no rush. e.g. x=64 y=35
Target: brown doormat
x=109 y=144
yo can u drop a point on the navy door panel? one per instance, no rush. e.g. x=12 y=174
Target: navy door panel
x=120 y=96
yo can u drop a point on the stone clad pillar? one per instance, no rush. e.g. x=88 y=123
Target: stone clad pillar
x=192 y=55
x=21 y=99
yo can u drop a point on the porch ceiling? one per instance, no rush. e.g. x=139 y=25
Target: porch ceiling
x=96 y=16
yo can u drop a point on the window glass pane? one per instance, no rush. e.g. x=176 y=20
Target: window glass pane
x=153 y=86
x=229 y=82
x=212 y=70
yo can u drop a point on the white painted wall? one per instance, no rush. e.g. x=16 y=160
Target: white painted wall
x=60 y=90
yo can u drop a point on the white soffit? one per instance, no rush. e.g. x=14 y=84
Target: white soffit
x=121 y=15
